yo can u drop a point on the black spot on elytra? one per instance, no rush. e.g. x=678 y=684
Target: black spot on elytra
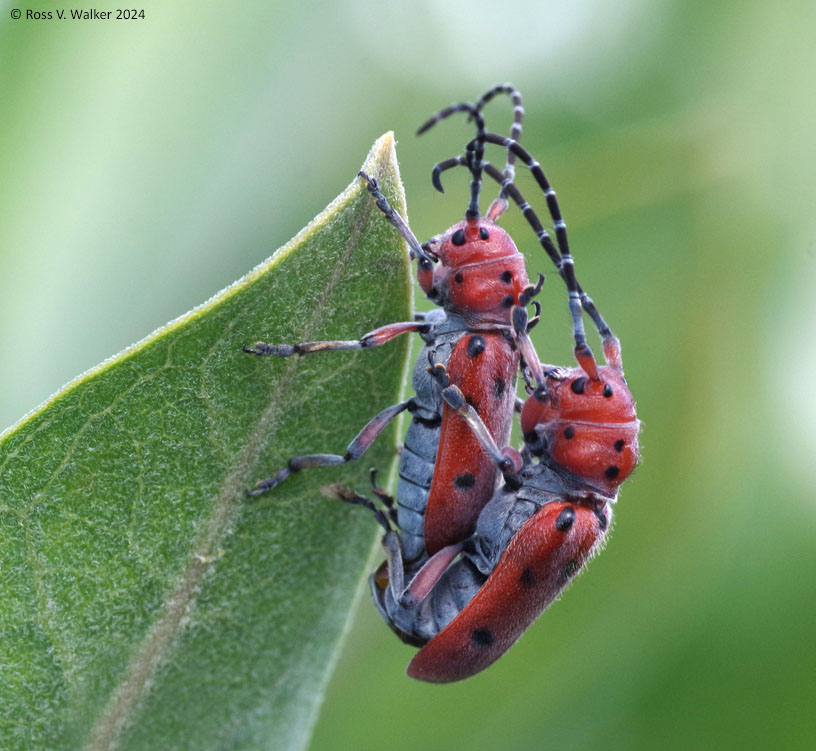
x=578 y=385
x=619 y=445
x=601 y=520
x=569 y=432
x=464 y=481
x=458 y=237
x=508 y=301
x=527 y=578
x=498 y=387
x=607 y=392
x=459 y=278
x=476 y=345
x=506 y=277
x=482 y=637
x=612 y=472
x=565 y=519
x=570 y=569
x=483 y=233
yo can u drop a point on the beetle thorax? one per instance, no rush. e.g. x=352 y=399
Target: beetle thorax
x=480 y=271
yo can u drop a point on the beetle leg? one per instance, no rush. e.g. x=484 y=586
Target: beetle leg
x=426 y=578
x=355 y=450
x=525 y=345
x=508 y=460
x=339 y=492
x=390 y=540
x=375 y=338
x=384 y=496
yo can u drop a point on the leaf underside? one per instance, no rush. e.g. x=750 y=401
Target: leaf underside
x=144 y=603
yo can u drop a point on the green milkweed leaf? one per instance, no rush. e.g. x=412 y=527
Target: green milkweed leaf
x=144 y=602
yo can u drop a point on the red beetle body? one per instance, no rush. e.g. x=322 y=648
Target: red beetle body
x=531 y=539
x=484 y=366
x=480 y=277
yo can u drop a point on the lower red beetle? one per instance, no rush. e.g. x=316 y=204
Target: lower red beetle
x=471 y=601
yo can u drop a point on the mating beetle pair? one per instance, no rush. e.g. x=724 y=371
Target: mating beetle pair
x=469 y=565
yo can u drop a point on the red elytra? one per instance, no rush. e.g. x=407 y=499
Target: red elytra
x=534 y=568
x=484 y=367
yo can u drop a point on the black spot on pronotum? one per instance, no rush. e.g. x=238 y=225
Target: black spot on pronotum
x=527 y=578
x=459 y=278
x=464 y=481
x=619 y=445
x=508 y=301
x=476 y=345
x=565 y=519
x=482 y=637
x=601 y=520
x=458 y=237
x=570 y=569
x=611 y=472
x=569 y=432
x=506 y=277
x=578 y=385
x=607 y=392
x=498 y=387
x=483 y=233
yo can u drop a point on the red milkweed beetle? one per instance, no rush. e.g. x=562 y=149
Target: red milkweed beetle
x=476 y=274
x=538 y=531
x=471 y=601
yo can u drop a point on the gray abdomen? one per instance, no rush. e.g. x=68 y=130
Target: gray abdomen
x=457 y=587
x=416 y=467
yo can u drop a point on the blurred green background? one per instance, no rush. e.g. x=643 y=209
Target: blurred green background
x=146 y=164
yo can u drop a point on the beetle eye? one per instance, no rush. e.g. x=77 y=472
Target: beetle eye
x=458 y=237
